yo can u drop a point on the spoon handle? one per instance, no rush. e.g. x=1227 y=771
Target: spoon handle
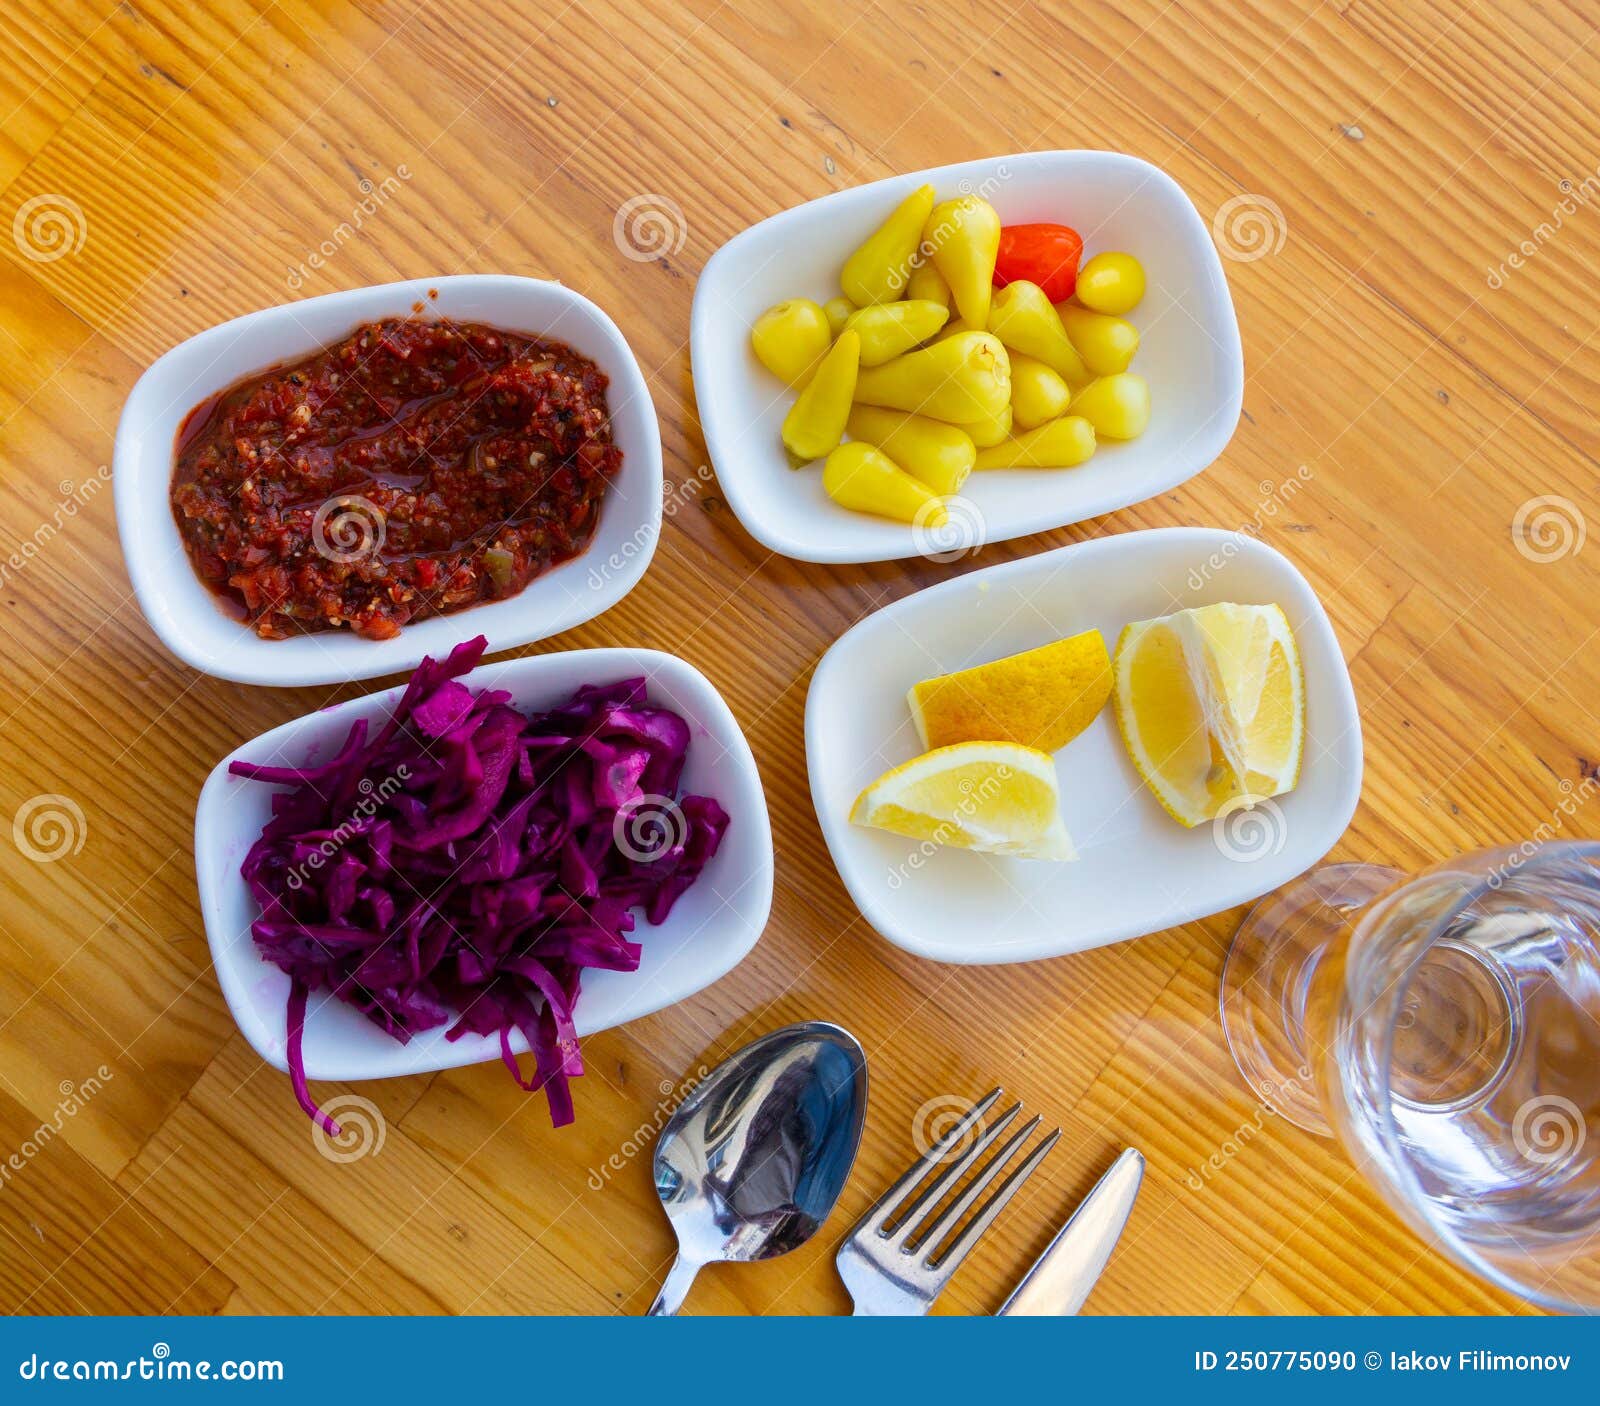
x=679 y=1278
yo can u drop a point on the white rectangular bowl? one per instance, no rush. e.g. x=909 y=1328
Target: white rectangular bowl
x=1189 y=352
x=1138 y=870
x=709 y=931
x=186 y=614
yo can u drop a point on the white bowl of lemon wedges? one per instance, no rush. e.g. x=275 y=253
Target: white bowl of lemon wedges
x=1083 y=746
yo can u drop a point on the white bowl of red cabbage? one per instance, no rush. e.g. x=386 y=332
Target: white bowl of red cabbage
x=486 y=863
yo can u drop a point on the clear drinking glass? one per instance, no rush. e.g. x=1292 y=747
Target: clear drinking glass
x=1446 y=1029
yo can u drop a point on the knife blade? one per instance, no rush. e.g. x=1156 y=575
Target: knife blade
x=1063 y=1275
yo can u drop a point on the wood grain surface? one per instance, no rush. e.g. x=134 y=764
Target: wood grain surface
x=166 y=165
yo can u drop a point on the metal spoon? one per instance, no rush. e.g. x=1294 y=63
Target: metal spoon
x=752 y=1161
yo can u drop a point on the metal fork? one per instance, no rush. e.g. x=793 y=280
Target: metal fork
x=894 y=1271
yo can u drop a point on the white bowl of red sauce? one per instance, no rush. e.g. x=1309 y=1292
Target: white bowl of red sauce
x=332 y=489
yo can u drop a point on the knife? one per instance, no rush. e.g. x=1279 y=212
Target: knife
x=1063 y=1275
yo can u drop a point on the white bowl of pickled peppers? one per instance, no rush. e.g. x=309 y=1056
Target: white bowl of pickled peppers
x=964 y=371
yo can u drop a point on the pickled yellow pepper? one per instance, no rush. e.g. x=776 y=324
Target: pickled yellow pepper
x=878 y=271
x=1106 y=344
x=927 y=285
x=937 y=454
x=961 y=238
x=965 y=378
x=887 y=329
x=1038 y=394
x=860 y=477
x=1024 y=318
x=1060 y=444
x=815 y=422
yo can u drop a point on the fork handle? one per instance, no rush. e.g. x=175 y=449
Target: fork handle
x=673 y=1291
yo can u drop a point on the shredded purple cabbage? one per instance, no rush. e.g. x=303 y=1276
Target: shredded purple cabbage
x=470 y=861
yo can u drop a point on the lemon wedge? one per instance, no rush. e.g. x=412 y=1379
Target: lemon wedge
x=991 y=796
x=1040 y=698
x=1211 y=705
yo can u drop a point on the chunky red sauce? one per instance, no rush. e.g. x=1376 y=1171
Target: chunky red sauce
x=415 y=468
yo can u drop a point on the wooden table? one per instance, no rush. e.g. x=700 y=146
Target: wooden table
x=200 y=156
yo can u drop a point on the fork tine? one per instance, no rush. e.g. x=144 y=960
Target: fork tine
x=928 y=1198
x=947 y=1262
x=950 y=1217
x=889 y=1202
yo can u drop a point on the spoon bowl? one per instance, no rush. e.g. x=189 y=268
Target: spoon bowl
x=752 y=1162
